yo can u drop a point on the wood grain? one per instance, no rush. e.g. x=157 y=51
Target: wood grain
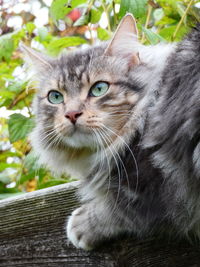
x=32 y=233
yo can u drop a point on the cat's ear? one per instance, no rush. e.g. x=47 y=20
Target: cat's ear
x=125 y=39
x=37 y=61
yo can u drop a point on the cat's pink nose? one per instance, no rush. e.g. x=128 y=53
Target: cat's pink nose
x=73 y=116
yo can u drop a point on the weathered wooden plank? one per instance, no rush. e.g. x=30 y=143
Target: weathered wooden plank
x=32 y=233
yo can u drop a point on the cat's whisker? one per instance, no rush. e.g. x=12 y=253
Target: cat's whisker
x=47 y=133
x=101 y=150
x=109 y=170
x=99 y=137
x=56 y=141
x=136 y=166
x=124 y=142
x=94 y=140
x=50 y=132
x=96 y=144
x=46 y=136
x=59 y=139
x=49 y=128
x=118 y=169
x=120 y=117
x=98 y=152
x=119 y=114
x=118 y=155
x=121 y=111
x=49 y=141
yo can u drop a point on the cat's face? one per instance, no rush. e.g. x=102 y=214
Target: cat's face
x=85 y=99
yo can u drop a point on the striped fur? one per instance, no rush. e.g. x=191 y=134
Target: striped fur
x=136 y=148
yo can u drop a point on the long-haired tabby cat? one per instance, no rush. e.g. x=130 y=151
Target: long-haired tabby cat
x=125 y=118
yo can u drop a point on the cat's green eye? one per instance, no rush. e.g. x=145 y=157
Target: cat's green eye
x=55 y=97
x=99 y=89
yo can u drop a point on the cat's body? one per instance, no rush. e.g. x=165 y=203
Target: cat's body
x=174 y=133
x=136 y=146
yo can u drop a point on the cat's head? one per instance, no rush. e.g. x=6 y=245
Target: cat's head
x=85 y=97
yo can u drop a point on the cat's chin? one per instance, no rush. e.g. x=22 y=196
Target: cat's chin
x=79 y=139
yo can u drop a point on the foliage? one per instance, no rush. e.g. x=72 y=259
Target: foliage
x=70 y=23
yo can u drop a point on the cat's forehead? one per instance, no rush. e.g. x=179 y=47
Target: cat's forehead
x=73 y=68
x=75 y=63
x=83 y=67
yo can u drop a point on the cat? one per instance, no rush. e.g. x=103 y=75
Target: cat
x=124 y=118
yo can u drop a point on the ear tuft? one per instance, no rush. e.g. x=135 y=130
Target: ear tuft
x=36 y=60
x=125 y=40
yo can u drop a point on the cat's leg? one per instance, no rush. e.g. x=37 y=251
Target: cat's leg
x=90 y=224
x=102 y=219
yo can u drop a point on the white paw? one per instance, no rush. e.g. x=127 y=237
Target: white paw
x=78 y=231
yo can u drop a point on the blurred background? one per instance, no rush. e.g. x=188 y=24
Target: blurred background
x=51 y=26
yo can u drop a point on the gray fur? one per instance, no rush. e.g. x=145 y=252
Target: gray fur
x=140 y=170
x=174 y=133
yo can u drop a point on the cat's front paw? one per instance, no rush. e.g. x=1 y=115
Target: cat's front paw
x=78 y=229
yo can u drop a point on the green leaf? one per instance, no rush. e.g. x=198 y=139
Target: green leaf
x=42 y=33
x=168 y=32
x=167 y=2
x=4 y=178
x=5 y=165
x=4 y=189
x=136 y=7
x=158 y=14
x=194 y=12
x=5 y=154
x=19 y=127
x=31 y=162
x=18 y=35
x=25 y=178
x=165 y=21
x=153 y=37
x=60 y=8
x=6 y=94
x=83 y=20
x=30 y=27
x=39 y=173
x=95 y=15
x=181 y=10
x=57 y=45
x=6 y=48
x=16 y=86
x=103 y=34
x=7 y=70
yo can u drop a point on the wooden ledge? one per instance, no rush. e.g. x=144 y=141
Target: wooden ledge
x=32 y=234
